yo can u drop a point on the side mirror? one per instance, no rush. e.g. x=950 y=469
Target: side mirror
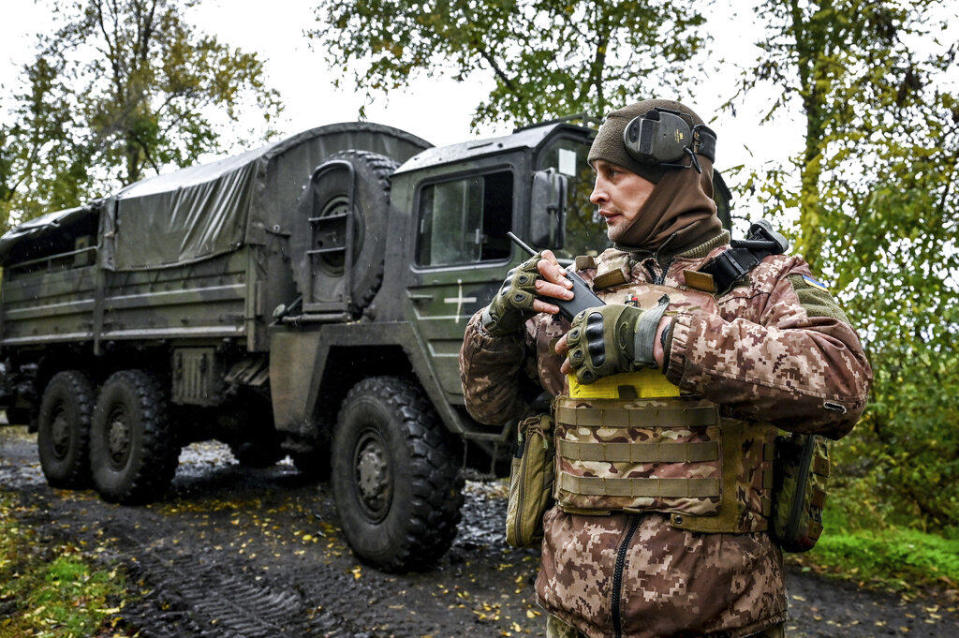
x=547 y=211
x=724 y=200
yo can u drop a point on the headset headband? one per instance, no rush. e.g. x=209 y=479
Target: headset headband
x=663 y=137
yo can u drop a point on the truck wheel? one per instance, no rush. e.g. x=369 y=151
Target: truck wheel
x=329 y=197
x=63 y=435
x=396 y=485
x=133 y=450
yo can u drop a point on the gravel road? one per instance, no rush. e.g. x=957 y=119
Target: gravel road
x=239 y=553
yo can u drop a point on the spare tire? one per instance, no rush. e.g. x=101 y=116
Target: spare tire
x=321 y=276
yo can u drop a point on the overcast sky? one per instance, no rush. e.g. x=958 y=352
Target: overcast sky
x=434 y=109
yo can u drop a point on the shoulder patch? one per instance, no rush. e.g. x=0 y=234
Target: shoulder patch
x=815 y=298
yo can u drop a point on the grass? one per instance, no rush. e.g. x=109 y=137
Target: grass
x=47 y=588
x=891 y=558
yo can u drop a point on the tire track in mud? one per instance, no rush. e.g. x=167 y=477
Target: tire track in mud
x=188 y=582
x=189 y=598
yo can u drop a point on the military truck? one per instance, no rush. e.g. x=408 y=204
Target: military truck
x=307 y=299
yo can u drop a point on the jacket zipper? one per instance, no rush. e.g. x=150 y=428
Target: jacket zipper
x=659 y=279
x=665 y=266
x=618 y=577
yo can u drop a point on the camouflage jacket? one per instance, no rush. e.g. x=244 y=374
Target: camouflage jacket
x=777 y=350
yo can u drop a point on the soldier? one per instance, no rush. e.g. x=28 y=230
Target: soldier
x=660 y=527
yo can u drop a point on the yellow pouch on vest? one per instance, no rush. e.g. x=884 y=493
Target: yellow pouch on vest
x=530 y=481
x=642 y=384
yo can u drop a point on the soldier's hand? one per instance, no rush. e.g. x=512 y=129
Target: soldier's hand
x=612 y=339
x=540 y=275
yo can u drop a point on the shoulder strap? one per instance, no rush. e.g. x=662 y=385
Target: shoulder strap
x=743 y=255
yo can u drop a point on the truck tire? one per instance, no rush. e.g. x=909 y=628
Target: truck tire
x=395 y=482
x=63 y=434
x=330 y=196
x=133 y=448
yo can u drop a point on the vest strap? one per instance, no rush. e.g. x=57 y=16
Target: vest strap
x=697 y=452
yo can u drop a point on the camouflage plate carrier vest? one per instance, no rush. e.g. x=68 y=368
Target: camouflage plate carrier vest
x=631 y=442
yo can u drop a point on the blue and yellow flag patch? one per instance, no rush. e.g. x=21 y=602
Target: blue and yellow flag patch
x=815 y=282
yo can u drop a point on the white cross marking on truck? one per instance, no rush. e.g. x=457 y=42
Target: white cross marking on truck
x=459 y=299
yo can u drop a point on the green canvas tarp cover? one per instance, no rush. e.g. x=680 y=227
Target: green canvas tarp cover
x=203 y=211
x=183 y=217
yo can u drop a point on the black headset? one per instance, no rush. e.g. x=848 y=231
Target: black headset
x=662 y=137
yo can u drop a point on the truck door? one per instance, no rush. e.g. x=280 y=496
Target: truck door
x=461 y=257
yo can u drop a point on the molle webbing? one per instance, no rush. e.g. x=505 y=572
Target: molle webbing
x=733 y=516
x=640 y=487
x=633 y=453
x=695 y=414
x=669 y=455
x=638 y=455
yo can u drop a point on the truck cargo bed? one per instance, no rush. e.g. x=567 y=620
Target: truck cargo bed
x=215 y=298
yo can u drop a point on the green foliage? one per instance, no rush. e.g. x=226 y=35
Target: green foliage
x=118 y=89
x=890 y=557
x=47 y=589
x=835 y=58
x=903 y=458
x=878 y=216
x=42 y=160
x=548 y=59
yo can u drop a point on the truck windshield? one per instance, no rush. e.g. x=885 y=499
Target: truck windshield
x=585 y=229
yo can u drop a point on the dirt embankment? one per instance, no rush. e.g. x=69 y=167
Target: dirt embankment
x=235 y=553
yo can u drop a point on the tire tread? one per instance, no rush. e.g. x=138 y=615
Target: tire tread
x=80 y=389
x=160 y=455
x=436 y=483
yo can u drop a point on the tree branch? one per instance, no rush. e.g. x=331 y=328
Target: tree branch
x=496 y=68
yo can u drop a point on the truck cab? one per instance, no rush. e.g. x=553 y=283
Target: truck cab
x=461 y=201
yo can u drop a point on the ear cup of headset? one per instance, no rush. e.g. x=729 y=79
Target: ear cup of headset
x=658 y=137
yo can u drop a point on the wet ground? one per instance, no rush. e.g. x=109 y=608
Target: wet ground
x=239 y=553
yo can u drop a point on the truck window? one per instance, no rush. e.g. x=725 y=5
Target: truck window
x=466 y=220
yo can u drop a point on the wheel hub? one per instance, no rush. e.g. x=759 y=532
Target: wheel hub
x=118 y=440
x=329 y=231
x=61 y=435
x=373 y=476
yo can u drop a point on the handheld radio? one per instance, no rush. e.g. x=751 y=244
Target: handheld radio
x=583 y=296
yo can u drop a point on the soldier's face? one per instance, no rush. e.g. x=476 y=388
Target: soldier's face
x=619 y=194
